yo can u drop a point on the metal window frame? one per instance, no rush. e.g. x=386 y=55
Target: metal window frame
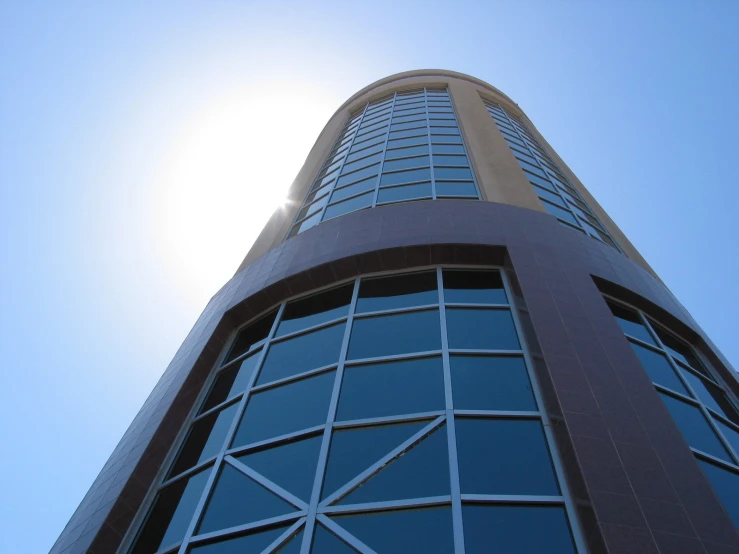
x=307 y=514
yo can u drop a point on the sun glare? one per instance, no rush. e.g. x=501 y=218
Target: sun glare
x=229 y=172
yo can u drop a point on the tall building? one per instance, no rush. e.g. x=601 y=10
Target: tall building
x=443 y=345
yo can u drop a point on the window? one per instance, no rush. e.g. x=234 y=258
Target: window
x=558 y=196
x=364 y=416
x=382 y=157
x=701 y=406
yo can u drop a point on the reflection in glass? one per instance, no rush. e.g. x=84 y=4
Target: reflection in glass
x=255 y=542
x=354 y=450
x=659 y=369
x=481 y=329
x=285 y=409
x=694 y=427
x=726 y=485
x=302 y=353
x=205 y=439
x=171 y=514
x=315 y=309
x=236 y=500
x=516 y=529
x=393 y=388
x=427 y=531
x=251 y=336
x=504 y=456
x=473 y=287
x=395 y=334
x=291 y=466
x=230 y=382
x=491 y=383
x=397 y=291
x=420 y=472
x=631 y=323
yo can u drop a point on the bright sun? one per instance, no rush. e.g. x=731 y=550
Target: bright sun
x=229 y=172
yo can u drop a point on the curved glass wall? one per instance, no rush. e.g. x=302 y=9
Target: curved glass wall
x=391 y=414
x=699 y=403
x=406 y=146
x=556 y=193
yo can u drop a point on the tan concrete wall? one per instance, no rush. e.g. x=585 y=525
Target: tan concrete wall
x=497 y=172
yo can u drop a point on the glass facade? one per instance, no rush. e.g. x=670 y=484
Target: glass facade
x=406 y=146
x=556 y=193
x=699 y=403
x=395 y=413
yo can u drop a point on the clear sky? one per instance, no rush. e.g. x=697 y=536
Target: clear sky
x=143 y=146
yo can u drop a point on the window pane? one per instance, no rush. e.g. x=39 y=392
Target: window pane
x=354 y=450
x=491 y=383
x=448 y=149
x=318 y=308
x=171 y=514
x=325 y=542
x=256 y=542
x=356 y=188
x=398 y=291
x=427 y=531
x=292 y=465
x=236 y=500
x=405 y=387
x=230 y=382
x=481 y=329
x=356 y=203
x=420 y=472
x=286 y=409
x=631 y=323
x=408 y=192
x=456 y=188
x=451 y=160
x=504 y=456
x=405 y=177
x=681 y=351
x=659 y=369
x=293 y=545
x=251 y=336
x=556 y=211
x=730 y=434
x=473 y=287
x=516 y=530
x=364 y=162
x=205 y=439
x=302 y=353
x=461 y=173
x=695 y=428
x=446 y=139
x=403 y=152
x=710 y=395
x=358 y=175
x=395 y=334
x=415 y=141
x=406 y=163
x=726 y=485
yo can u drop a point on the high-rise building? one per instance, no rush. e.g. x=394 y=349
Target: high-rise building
x=444 y=345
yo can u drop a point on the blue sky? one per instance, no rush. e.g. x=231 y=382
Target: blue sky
x=142 y=146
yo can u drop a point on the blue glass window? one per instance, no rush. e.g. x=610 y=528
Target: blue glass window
x=231 y=381
x=403 y=193
x=504 y=456
x=481 y=329
x=170 y=516
x=355 y=450
x=395 y=334
x=694 y=427
x=285 y=409
x=315 y=309
x=392 y=388
x=236 y=500
x=255 y=542
x=473 y=287
x=398 y=291
x=404 y=531
x=302 y=353
x=251 y=336
x=491 y=383
x=659 y=369
x=516 y=530
x=726 y=485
